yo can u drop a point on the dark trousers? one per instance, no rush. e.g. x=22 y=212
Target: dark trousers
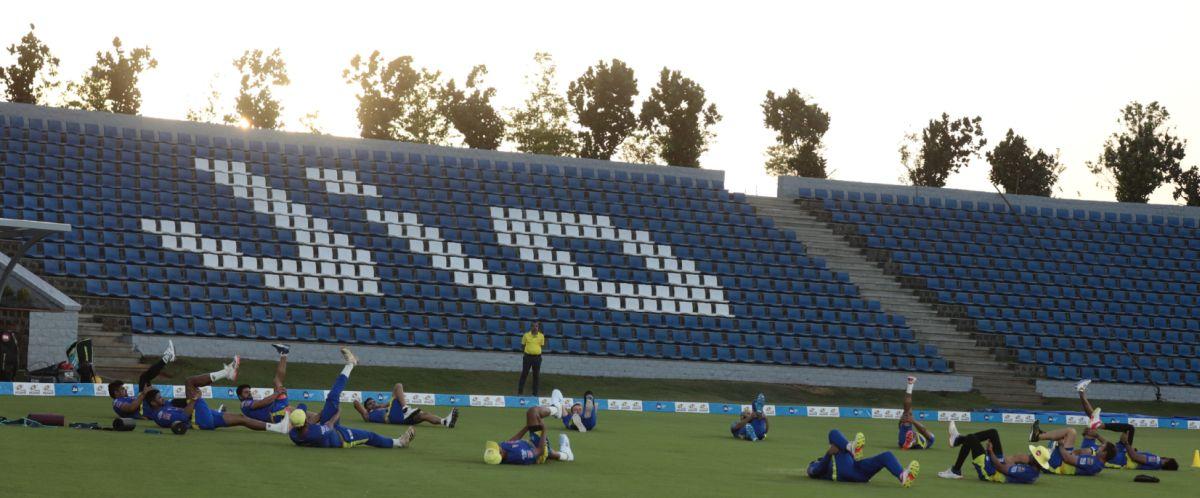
x=147 y=378
x=972 y=444
x=530 y=362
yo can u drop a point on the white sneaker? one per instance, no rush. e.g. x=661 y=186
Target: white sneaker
x=1094 y=422
x=405 y=439
x=231 y=370
x=953 y=435
x=1082 y=385
x=577 y=422
x=349 y=357
x=949 y=474
x=564 y=447
x=169 y=355
x=556 y=400
x=912 y=380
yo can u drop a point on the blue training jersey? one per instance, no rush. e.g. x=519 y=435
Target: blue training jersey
x=1022 y=474
x=126 y=401
x=1088 y=465
x=266 y=413
x=378 y=416
x=1153 y=462
x=519 y=452
x=317 y=436
x=169 y=415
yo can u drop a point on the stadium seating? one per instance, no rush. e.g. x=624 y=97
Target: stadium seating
x=300 y=239
x=1085 y=293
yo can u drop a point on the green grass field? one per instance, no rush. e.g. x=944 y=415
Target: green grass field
x=643 y=453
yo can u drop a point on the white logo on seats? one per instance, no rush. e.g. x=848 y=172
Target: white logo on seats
x=327 y=262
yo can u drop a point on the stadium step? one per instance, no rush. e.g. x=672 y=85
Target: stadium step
x=1000 y=381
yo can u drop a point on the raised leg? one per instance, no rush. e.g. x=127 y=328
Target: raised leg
x=871 y=466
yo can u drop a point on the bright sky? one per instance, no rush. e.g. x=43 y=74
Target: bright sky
x=1057 y=72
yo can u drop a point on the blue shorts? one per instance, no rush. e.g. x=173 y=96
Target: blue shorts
x=206 y=418
x=397 y=414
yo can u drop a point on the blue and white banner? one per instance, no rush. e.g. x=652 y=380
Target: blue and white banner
x=627 y=405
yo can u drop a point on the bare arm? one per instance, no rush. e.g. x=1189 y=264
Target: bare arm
x=520 y=434
x=741 y=423
x=266 y=401
x=1067 y=456
x=1000 y=466
x=920 y=427
x=1135 y=456
x=362 y=410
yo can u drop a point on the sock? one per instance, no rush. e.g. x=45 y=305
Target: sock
x=555 y=411
x=908 y=389
x=850 y=447
x=218 y=375
x=346 y=370
x=397 y=443
x=281 y=427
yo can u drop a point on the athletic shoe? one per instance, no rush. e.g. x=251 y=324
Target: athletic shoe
x=949 y=474
x=860 y=440
x=406 y=438
x=556 y=399
x=349 y=357
x=221 y=408
x=759 y=402
x=452 y=419
x=577 y=422
x=751 y=435
x=564 y=447
x=910 y=474
x=282 y=349
x=1082 y=385
x=1034 y=431
x=1095 y=422
x=912 y=380
x=953 y=434
x=231 y=370
x=169 y=355
x=910 y=438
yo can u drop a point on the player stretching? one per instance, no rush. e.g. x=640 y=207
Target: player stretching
x=987 y=455
x=518 y=451
x=128 y=406
x=398 y=412
x=583 y=415
x=271 y=408
x=197 y=414
x=753 y=424
x=1139 y=460
x=843 y=462
x=1062 y=458
x=913 y=434
x=322 y=430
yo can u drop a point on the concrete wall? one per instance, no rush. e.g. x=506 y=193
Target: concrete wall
x=1120 y=392
x=49 y=335
x=557 y=364
x=788 y=186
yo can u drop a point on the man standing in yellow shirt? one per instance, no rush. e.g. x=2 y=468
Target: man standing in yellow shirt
x=532 y=343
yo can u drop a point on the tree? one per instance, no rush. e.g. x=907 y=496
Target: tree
x=602 y=98
x=677 y=119
x=397 y=101
x=542 y=126
x=471 y=112
x=639 y=147
x=1020 y=170
x=33 y=74
x=211 y=111
x=945 y=147
x=311 y=123
x=111 y=85
x=1187 y=185
x=799 y=127
x=256 y=106
x=1142 y=155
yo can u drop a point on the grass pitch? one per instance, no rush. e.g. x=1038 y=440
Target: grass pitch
x=630 y=453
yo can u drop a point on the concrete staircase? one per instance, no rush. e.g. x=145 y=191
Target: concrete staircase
x=997 y=380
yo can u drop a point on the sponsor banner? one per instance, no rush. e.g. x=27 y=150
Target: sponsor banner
x=690 y=407
x=224 y=392
x=986 y=417
x=824 y=411
x=527 y=401
x=1143 y=422
x=418 y=398
x=1193 y=425
x=6 y=389
x=625 y=405
x=74 y=390
x=33 y=389
x=925 y=415
x=97 y=390
x=887 y=413
x=855 y=412
x=1076 y=420
x=380 y=397
x=1173 y=423
x=1019 y=418
x=658 y=406
x=351 y=396
x=306 y=395
x=491 y=401
x=261 y=392
x=791 y=411
x=724 y=408
x=1118 y=419
x=452 y=399
x=954 y=416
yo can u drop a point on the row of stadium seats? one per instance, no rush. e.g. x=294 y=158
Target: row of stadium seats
x=386 y=247
x=1083 y=293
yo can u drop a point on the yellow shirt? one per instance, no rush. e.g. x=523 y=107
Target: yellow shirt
x=533 y=343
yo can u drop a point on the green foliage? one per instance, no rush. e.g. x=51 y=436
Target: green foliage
x=639 y=147
x=799 y=127
x=256 y=106
x=678 y=120
x=1187 y=185
x=33 y=74
x=1141 y=155
x=542 y=125
x=311 y=123
x=1020 y=170
x=111 y=84
x=471 y=112
x=945 y=147
x=602 y=98
x=397 y=101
